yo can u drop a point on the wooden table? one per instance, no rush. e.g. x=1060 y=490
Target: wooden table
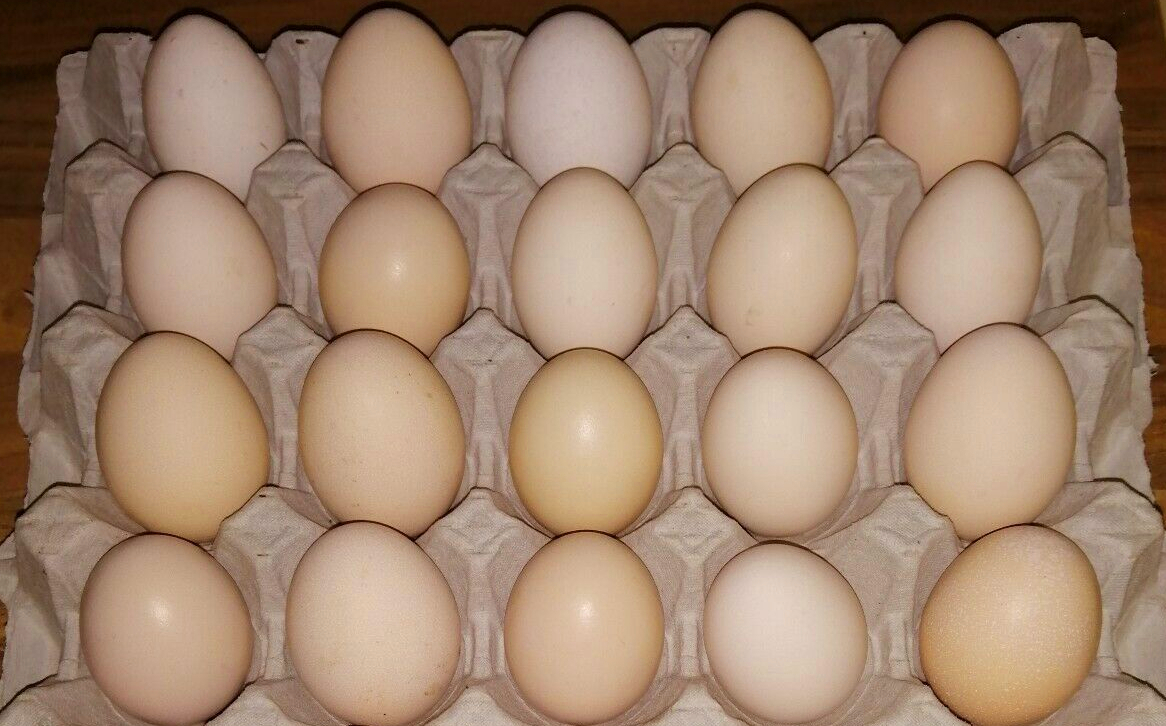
x=36 y=33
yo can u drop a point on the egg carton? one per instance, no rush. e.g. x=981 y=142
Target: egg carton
x=887 y=542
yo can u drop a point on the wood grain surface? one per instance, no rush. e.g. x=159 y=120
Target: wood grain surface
x=36 y=33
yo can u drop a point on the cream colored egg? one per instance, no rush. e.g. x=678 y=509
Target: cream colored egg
x=179 y=438
x=585 y=444
x=380 y=435
x=782 y=268
x=372 y=626
x=394 y=106
x=395 y=260
x=577 y=96
x=583 y=267
x=762 y=99
x=779 y=442
x=584 y=629
x=1011 y=628
x=208 y=104
x=165 y=632
x=194 y=261
x=971 y=254
x=951 y=97
x=784 y=633
x=990 y=437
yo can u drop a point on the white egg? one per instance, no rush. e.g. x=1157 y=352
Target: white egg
x=577 y=96
x=785 y=633
x=970 y=255
x=583 y=267
x=209 y=105
x=194 y=261
x=780 y=443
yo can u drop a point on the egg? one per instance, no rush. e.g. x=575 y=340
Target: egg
x=180 y=441
x=395 y=260
x=990 y=436
x=761 y=99
x=577 y=96
x=779 y=442
x=380 y=435
x=584 y=629
x=165 y=632
x=583 y=269
x=783 y=265
x=194 y=261
x=784 y=633
x=585 y=444
x=373 y=629
x=970 y=254
x=1011 y=628
x=950 y=97
x=394 y=106
x=208 y=104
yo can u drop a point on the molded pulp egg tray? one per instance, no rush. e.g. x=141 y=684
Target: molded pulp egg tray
x=884 y=538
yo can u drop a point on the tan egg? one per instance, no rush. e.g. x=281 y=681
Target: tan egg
x=179 y=438
x=990 y=436
x=395 y=260
x=194 y=261
x=784 y=262
x=585 y=444
x=372 y=626
x=779 y=443
x=208 y=103
x=165 y=631
x=394 y=106
x=951 y=97
x=577 y=96
x=1011 y=628
x=584 y=629
x=971 y=254
x=379 y=432
x=784 y=633
x=762 y=99
x=583 y=267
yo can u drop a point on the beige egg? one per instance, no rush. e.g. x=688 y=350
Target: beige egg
x=164 y=631
x=585 y=444
x=194 y=261
x=784 y=633
x=577 y=96
x=372 y=626
x=394 y=106
x=584 y=629
x=395 y=260
x=762 y=99
x=208 y=103
x=970 y=255
x=179 y=438
x=1011 y=628
x=951 y=97
x=990 y=436
x=380 y=435
x=782 y=268
x=583 y=267
x=779 y=443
